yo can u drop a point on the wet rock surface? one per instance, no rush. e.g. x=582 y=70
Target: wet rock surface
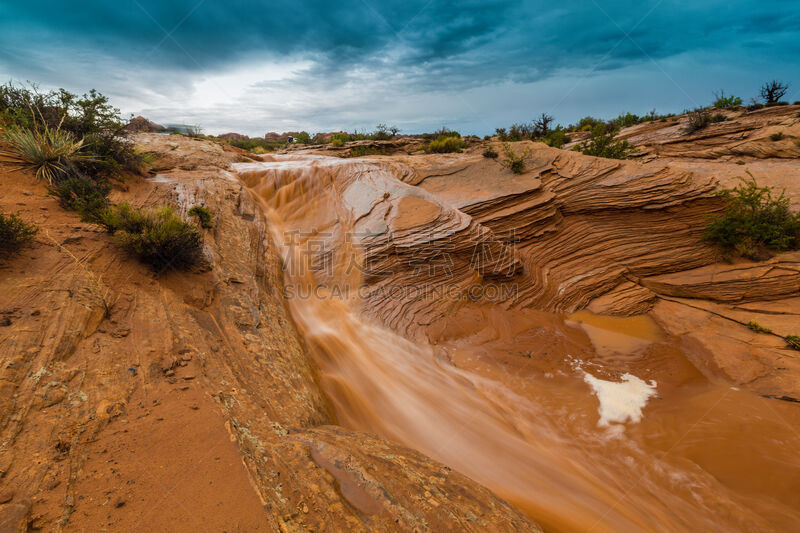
x=100 y=416
x=195 y=380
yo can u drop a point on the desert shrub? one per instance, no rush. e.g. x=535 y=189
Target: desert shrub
x=513 y=161
x=303 y=138
x=754 y=222
x=776 y=136
x=772 y=91
x=441 y=132
x=337 y=142
x=203 y=214
x=717 y=117
x=697 y=120
x=158 y=237
x=758 y=328
x=90 y=118
x=626 y=119
x=557 y=138
x=586 y=124
x=14 y=233
x=384 y=133
x=724 y=102
x=518 y=132
x=603 y=144
x=792 y=341
x=50 y=153
x=364 y=150
x=490 y=153
x=255 y=145
x=81 y=194
x=754 y=105
x=445 y=144
x=533 y=130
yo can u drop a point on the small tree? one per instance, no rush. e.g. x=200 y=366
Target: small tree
x=773 y=91
x=381 y=133
x=541 y=126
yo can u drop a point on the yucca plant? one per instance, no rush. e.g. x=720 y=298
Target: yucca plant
x=48 y=152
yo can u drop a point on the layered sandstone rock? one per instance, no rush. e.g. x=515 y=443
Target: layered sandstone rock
x=742 y=134
x=91 y=402
x=583 y=225
x=418 y=253
x=769 y=280
x=101 y=415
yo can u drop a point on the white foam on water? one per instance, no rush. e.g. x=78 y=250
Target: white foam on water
x=620 y=402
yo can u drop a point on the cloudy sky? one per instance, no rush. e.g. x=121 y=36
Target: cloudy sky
x=473 y=65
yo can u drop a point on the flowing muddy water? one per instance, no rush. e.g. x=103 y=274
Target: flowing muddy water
x=586 y=423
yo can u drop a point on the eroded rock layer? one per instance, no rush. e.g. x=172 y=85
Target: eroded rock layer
x=102 y=411
x=583 y=225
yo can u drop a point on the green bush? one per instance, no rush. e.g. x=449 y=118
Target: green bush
x=257 y=146
x=556 y=138
x=384 y=133
x=490 y=153
x=445 y=144
x=87 y=197
x=776 y=136
x=90 y=118
x=626 y=119
x=365 y=150
x=603 y=144
x=203 y=214
x=157 y=236
x=441 y=132
x=758 y=328
x=14 y=233
x=793 y=341
x=586 y=124
x=513 y=161
x=50 y=153
x=754 y=222
x=725 y=102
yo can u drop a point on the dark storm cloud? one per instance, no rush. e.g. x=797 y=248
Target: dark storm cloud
x=481 y=41
x=137 y=47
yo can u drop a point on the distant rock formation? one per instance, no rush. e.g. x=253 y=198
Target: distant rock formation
x=141 y=124
x=274 y=136
x=326 y=137
x=234 y=136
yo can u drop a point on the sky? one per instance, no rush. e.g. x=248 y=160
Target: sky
x=472 y=65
